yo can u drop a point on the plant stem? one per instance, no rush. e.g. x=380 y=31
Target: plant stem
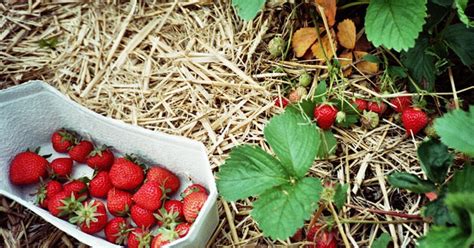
x=379 y=221
x=353 y=4
x=316 y=216
x=339 y=226
x=392 y=213
x=453 y=86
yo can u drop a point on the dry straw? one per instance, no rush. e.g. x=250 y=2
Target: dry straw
x=195 y=70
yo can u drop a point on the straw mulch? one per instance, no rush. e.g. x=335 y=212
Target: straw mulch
x=194 y=70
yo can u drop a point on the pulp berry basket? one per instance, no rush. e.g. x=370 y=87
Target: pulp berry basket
x=31 y=112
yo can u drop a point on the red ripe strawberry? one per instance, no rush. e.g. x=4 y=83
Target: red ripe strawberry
x=182 y=229
x=91 y=216
x=193 y=188
x=62 y=141
x=116 y=230
x=62 y=167
x=414 y=120
x=165 y=178
x=325 y=115
x=28 y=168
x=118 y=202
x=175 y=206
x=142 y=217
x=138 y=238
x=46 y=192
x=100 y=185
x=281 y=102
x=361 y=104
x=378 y=108
x=78 y=187
x=126 y=174
x=149 y=196
x=100 y=159
x=164 y=237
x=321 y=238
x=401 y=103
x=192 y=204
x=80 y=151
x=63 y=204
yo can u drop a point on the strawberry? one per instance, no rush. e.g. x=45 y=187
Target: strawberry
x=139 y=238
x=297 y=236
x=164 y=237
x=78 y=187
x=62 y=141
x=28 y=168
x=100 y=185
x=47 y=191
x=170 y=214
x=126 y=174
x=149 y=196
x=116 y=231
x=182 y=229
x=193 y=188
x=281 y=102
x=192 y=204
x=321 y=238
x=376 y=107
x=91 y=216
x=142 y=217
x=325 y=115
x=100 y=159
x=118 y=202
x=61 y=167
x=80 y=151
x=414 y=120
x=361 y=104
x=401 y=103
x=165 y=178
x=63 y=204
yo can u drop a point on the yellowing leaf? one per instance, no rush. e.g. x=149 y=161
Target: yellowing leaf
x=302 y=40
x=346 y=34
x=322 y=48
x=365 y=66
x=345 y=59
x=329 y=7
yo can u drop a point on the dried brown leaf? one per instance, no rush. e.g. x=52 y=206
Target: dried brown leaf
x=329 y=7
x=302 y=40
x=346 y=33
x=365 y=66
x=362 y=44
x=323 y=50
x=345 y=59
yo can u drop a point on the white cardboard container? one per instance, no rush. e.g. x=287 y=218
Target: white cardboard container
x=31 y=112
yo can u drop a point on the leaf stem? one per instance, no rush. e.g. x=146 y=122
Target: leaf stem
x=316 y=216
x=392 y=213
x=355 y=221
x=339 y=225
x=353 y=4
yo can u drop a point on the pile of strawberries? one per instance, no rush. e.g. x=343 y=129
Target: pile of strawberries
x=127 y=186
x=414 y=119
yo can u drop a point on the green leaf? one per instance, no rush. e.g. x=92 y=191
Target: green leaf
x=397 y=72
x=438 y=212
x=411 y=182
x=455 y=130
x=461 y=5
x=421 y=63
x=327 y=145
x=435 y=160
x=351 y=114
x=440 y=236
x=437 y=12
x=382 y=241
x=371 y=58
x=294 y=140
x=462 y=207
x=249 y=171
x=248 y=9
x=280 y=212
x=340 y=195
x=320 y=92
x=305 y=106
x=444 y=3
x=461 y=181
x=461 y=40
x=395 y=23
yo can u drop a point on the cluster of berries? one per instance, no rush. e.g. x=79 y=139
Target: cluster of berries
x=128 y=188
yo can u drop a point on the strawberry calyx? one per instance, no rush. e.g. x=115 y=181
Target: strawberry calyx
x=135 y=159
x=99 y=150
x=37 y=151
x=166 y=234
x=86 y=213
x=41 y=193
x=67 y=135
x=70 y=205
x=122 y=234
x=143 y=238
x=167 y=219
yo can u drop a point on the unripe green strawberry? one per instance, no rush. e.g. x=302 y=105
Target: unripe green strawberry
x=276 y=46
x=305 y=79
x=369 y=120
x=297 y=94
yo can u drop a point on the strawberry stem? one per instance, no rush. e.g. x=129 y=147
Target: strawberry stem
x=385 y=212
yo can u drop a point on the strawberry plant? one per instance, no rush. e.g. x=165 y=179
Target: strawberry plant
x=286 y=195
x=451 y=206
